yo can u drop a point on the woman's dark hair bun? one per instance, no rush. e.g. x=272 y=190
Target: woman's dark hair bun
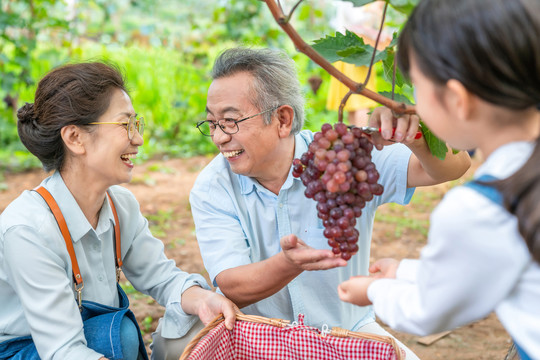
x=26 y=113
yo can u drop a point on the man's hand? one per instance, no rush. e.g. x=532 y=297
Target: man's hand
x=424 y=169
x=406 y=127
x=303 y=257
x=208 y=305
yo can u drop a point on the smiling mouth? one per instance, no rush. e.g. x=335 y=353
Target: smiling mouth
x=230 y=154
x=127 y=158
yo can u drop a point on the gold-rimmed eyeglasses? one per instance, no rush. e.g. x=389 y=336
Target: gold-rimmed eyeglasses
x=228 y=126
x=135 y=123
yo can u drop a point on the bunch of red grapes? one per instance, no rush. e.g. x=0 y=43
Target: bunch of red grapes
x=338 y=173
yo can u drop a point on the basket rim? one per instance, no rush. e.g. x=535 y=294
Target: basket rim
x=335 y=331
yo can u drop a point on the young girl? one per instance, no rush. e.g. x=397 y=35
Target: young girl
x=62 y=247
x=475 y=65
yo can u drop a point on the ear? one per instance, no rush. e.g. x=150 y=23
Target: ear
x=460 y=100
x=285 y=115
x=73 y=138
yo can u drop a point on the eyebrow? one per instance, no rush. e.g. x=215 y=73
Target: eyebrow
x=128 y=114
x=227 y=109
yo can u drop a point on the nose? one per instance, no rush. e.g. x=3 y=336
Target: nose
x=137 y=139
x=220 y=137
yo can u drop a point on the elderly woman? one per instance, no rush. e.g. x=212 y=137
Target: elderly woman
x=63 y=245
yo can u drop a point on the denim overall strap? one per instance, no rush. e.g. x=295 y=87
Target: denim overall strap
x=481 y=186
x=522 y=354
x=102 y=324
x=21 y=348
x=494 y=195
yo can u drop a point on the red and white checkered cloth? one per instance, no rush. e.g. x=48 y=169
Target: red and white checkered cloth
x=254 y=341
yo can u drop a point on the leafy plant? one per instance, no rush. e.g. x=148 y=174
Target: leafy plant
x=352 y=49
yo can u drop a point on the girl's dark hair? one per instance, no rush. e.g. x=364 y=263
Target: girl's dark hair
x=74 y=94
x=493 y=48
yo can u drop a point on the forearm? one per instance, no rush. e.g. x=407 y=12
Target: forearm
x=248 y=284
x=426 y=169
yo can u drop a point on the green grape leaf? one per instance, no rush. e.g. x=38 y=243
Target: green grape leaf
x=388 y=70
x=349 y=48
x=397 y=97
x=437 y=147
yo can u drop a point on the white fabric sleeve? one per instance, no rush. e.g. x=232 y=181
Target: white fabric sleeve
x=470 y=264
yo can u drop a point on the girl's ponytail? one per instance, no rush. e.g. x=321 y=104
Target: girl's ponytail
x=521 y=193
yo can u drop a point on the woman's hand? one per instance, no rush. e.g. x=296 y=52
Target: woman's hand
x=208 y=305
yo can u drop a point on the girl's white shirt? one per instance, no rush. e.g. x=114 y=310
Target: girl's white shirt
x=475 y=262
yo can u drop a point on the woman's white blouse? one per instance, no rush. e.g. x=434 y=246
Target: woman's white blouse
x=36 y=282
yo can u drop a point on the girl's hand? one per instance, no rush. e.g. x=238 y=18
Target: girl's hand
x=384 y=268
x=354 y=290
x=208 y=305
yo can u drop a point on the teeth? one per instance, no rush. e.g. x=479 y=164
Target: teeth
x=127 y=156
x=229 y=154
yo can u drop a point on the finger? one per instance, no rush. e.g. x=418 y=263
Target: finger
x=386 y=123
x=325 y=264
x=374 y=268
x=343 y=292
x=413 y=128
x=377 y=140
x=230 y=316
x=402 y=127
x=288 y=242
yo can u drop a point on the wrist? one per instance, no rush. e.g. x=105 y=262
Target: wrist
x=192 y=298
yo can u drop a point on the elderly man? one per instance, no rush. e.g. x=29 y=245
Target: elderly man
x=259 y=236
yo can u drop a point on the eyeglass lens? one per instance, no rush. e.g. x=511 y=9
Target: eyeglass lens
x=135 y=124
x=209 y=127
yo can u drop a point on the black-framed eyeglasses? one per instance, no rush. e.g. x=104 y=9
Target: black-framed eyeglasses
x=228 y=126
x=134 y=123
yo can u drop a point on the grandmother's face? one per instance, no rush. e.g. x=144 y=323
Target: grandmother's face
x=110 y=152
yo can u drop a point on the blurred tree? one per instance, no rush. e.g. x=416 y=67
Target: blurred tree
x=21 y=24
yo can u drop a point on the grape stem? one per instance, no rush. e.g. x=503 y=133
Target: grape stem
x=355 y=87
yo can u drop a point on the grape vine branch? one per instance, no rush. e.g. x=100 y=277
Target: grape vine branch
x=355 y=87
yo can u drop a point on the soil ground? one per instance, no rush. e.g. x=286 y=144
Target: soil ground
x=162 y=188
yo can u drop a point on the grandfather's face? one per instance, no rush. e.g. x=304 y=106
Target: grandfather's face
x=252 y=151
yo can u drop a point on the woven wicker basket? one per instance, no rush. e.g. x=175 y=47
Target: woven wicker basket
x=216 y=342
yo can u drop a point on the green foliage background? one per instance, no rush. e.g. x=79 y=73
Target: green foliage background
x=165 y=49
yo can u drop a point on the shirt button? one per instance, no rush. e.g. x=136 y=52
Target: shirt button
x=96 y=247
x=100 y=277
x=280 y=205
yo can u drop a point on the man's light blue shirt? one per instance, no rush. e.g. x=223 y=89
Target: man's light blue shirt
x=36 y=286
x=239 y=222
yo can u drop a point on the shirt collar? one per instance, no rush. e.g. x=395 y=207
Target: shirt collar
x=506 y=159
x=76 y=221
